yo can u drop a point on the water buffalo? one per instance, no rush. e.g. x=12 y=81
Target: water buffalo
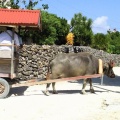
x=75 y=64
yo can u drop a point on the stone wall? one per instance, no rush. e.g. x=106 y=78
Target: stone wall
x=33 y=60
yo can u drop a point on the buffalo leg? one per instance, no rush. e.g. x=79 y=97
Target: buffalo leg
x=47 y=89
x=54 y=90
x=91 y=87
x=84 y=85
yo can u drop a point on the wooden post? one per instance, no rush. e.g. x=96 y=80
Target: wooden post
x=101 y=70
x=102 y=79
x=12 y=56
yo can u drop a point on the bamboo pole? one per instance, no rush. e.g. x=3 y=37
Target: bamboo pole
x=37 y=82
x=101 y=70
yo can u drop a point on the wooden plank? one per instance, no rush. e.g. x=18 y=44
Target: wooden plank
x=12 y=55
x=8 y=75
x=5 y=44
x=4 y=75
x=36 y=82
x=5 y=68
x=5 y=60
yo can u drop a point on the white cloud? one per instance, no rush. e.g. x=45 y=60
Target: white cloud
x=100 y=25
x=68 y=21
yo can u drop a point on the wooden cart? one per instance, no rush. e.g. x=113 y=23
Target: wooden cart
x=16 y=18
x=8 y=65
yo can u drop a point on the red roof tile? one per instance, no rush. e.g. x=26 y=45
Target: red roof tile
x=20 y=17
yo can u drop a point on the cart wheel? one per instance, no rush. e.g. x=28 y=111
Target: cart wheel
x=4 y=88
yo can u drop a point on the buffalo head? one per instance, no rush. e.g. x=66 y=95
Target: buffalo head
x=108 y=69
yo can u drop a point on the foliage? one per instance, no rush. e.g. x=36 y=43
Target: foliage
x=12 y=4
x=114 y=42
x=62 y=31
x=101 y=41
x=109 y=42
x=27 y=5
x=54 y=29
x=45 y=6
x=30 y=5
x=70 y=38
x=81 y=27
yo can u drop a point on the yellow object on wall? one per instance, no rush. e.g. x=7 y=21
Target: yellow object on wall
x=70 y=38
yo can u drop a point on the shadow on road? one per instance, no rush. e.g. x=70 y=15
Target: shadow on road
x=102 y=90
x=19 y=91
x=106 y=90
x=106 y=81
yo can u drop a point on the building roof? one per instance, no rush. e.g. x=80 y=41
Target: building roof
x=20 y=17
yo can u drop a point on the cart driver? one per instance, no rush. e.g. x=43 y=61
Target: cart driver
x=6 y=38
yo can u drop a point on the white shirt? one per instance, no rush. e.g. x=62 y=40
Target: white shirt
x=6 y=38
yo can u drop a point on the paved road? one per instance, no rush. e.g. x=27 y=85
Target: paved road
x=69 y=104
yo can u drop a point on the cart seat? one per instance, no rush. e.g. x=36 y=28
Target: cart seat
x=5 y=61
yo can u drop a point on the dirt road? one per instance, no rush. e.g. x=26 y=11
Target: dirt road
x=68 y=104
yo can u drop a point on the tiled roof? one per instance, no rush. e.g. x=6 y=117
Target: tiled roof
x=20 y=17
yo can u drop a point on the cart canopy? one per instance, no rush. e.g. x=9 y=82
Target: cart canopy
x=20 y=17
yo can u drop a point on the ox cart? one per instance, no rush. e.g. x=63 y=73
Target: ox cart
x=8 y=63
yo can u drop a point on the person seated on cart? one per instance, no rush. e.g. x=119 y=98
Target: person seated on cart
x=6 y=38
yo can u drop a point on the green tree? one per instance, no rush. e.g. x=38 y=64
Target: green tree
x=45 y=6
x=101 y=41
x=62 y=31
x=114 y=42
x=27 y=5
x=54 y=29
x=81 y=27
x=32 y=3
x=13 y=4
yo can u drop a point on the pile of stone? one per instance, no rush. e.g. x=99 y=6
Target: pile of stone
x=34 y=59
x=106 y=57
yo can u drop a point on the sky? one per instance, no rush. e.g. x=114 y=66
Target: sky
x=104 y=13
